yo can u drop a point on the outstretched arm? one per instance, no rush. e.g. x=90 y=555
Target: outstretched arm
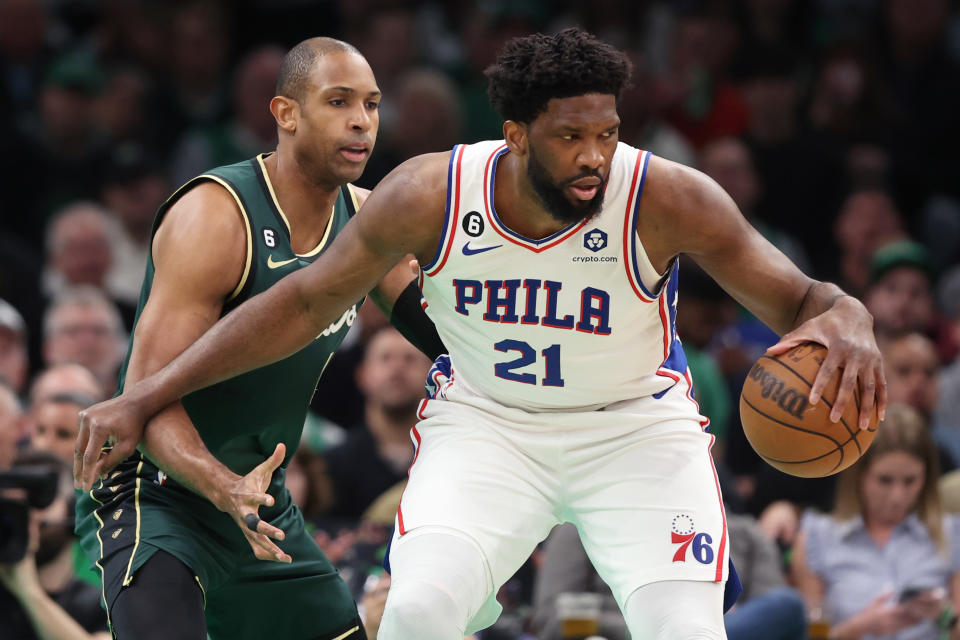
x=403 y=215
x=684 y=211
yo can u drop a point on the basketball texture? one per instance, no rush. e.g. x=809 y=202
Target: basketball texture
x=789 y=433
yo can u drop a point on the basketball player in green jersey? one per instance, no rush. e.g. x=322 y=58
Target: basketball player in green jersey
x=172 y=527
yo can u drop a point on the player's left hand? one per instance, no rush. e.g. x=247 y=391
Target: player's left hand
x=846 y=330
x=242 y=500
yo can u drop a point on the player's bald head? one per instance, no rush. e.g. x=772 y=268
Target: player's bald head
x=294 y=75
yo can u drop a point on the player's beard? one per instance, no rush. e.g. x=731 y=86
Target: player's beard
x=554 y=198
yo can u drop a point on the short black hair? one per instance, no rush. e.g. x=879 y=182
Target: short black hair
x=296 y=65
x=532 y=70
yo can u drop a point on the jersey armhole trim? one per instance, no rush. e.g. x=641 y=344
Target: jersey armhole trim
x=449 y=225
x=246 y=225
x=353 y=203
x=630 y=238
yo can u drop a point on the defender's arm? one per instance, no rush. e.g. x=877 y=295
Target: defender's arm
x=403 y=215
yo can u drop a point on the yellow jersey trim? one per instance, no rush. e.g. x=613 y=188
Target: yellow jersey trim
x=273 y=195
x=347 y=633
x=136 y=544
x=103 y=576
x=246 y=222
x=353 y=196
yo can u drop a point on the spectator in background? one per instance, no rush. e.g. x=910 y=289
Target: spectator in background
x=195 y=91
x=53 y=158
x=926 y=86
x=133 y=187
x=55 y=425
x=886 y=537
x=484 y=30
x=14 y=362
x=23 y=52
x=868 y=220
x=948 y=406
x=728 y=161
x=900 y=294
x=848 y=103
x=80 y=246
x=427 y=118
x=387 y=37
x=913 y=378
x=377 y=454
x=43 y=599
x=646 y=128
x=64 y=378
x=123 y=109
x=800 y=182
x=11 y=418
x=83 y=326
x=252 y=129
x=695 y=95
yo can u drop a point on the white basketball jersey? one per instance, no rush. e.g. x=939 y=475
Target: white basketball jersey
x=575 y=321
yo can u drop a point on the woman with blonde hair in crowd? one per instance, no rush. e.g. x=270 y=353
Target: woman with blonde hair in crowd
x=886 y=562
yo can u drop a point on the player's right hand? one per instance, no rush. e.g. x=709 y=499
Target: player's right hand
x=117 y=422
x=243 y=498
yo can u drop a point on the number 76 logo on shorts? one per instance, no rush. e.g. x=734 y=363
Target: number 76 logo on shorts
x=683 y=533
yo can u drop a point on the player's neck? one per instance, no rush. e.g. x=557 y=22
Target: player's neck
x=306 y=205
x=517 y=205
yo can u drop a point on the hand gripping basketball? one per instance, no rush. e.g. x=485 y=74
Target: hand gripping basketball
x=786 y=429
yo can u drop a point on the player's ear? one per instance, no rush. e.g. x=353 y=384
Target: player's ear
x=515 y=135
x=286 y=111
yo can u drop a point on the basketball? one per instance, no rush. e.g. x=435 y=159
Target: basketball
x=789 y=433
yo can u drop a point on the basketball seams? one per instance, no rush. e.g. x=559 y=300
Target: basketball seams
x=829 y=404
x=792 y=426
x=840 y=446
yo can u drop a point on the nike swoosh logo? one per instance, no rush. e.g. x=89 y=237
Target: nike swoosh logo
x=467 y=251
x=272 y=264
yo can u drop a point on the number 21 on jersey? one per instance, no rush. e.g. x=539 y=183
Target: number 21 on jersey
x=528 y=356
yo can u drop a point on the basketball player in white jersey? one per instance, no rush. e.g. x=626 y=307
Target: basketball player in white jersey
x=549 y=267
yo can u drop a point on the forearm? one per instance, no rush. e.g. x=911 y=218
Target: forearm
x=172 y=442
x=269 y=327
x=49 y=620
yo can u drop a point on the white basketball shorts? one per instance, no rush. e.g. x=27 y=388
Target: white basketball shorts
x=636 y=478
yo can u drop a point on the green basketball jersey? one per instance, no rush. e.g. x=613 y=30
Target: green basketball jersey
x=138 y=509
x=242 y=419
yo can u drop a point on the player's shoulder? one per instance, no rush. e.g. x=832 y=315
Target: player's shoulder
x=207 y=214
x=422 y=179
x=678 y=193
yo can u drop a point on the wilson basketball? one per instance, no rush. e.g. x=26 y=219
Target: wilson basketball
x=789 y=433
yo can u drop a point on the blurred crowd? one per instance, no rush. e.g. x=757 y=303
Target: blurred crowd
x=833 y=124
